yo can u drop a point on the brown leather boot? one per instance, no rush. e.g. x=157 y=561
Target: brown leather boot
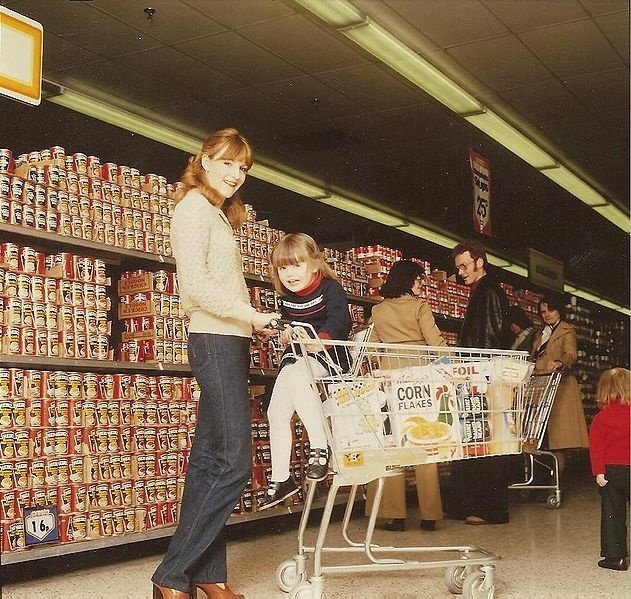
x=166 y=593
x=214 y=591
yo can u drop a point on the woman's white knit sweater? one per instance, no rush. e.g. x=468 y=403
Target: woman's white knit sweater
x=209 y=270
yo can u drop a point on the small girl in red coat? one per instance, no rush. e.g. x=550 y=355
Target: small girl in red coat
x=609 y=450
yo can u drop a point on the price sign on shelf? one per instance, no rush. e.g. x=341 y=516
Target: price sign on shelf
x=40 y=525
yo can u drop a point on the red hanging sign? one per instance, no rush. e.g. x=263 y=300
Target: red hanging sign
x=481 y=175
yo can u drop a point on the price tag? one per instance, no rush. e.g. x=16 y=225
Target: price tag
x=40 y=525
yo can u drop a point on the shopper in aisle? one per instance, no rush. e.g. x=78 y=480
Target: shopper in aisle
x=522 y=328
x=404 y=317
x=610 y=454
x=555 y=349
x=478 y=487
x=214 y=294
x=308 y=292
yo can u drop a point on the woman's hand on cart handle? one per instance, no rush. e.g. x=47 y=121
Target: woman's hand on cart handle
x=262 y=323
x=553 y=366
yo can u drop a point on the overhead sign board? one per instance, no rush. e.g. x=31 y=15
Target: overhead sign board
x=21 y=49
x=545 y=271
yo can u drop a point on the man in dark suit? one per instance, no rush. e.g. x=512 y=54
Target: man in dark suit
x=479 y=487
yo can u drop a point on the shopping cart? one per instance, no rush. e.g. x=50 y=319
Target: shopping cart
x=539 y=397
x=403 y=405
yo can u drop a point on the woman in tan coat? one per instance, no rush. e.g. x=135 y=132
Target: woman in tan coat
x=554 y=349
x=402 y=317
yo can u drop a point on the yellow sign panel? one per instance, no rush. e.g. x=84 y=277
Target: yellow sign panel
x=21 y=47
x=545 y=271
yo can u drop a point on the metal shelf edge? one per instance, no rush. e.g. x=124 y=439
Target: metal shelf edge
x=91 y=544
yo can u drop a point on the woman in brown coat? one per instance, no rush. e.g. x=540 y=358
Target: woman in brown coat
x=554 y=349
x=402 y=317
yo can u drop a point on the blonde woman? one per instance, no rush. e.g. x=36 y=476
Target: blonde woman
x=214 y=294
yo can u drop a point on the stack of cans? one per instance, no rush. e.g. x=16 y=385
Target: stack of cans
x=110 y=451
x=53 y=305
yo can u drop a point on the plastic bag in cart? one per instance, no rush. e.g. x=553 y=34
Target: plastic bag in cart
x=354 y=410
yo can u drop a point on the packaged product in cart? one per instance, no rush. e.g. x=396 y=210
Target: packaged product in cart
x=423 y=412
x=354 y=408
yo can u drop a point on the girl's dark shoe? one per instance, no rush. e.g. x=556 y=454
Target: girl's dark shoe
x=428 y=524
x=395 y=524
x=318 y=464
x=277 y=492
x=166 y=593
x=214 y=591
x=614 y=563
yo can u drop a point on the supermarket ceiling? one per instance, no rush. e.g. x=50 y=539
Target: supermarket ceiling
x=312 y=100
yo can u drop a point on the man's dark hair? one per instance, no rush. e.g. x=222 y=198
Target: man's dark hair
x=401 y=278
x=518 y=316
x=473 y=246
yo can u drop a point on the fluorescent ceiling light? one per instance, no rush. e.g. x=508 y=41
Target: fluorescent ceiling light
x=615 y=215
x=387 y=48
x=575 y=185
x=516 y=269
x=496 y=261
x=267 y=171
x=588 y=296
x=372 y=37
x=126 y=120
x=613 y=306
x=429 y=235
x=286 y=181
x=337 y=13
x=512 y=139
x=360 y=209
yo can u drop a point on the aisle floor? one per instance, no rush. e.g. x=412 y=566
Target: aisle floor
x=546 y=554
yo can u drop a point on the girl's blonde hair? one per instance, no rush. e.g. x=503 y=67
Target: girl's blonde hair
x=294 y=248
x=228 y=144
x=613 y=385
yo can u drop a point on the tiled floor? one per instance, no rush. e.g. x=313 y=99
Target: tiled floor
x=546 y=554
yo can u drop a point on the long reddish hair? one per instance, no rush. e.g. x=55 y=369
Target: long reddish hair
x=225 y=143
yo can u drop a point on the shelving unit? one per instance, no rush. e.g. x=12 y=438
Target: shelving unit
x=58 y=550
x=119 y=259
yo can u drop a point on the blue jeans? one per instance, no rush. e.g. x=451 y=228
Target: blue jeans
x=219 y=466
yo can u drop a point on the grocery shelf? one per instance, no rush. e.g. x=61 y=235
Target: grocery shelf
x=50 y=551
x=112 y=366
x=65 y=243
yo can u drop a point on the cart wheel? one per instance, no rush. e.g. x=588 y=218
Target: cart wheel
x=454 y=578
x=287 y=576
x=475 y=587
x=554 y=502
x=302 y=591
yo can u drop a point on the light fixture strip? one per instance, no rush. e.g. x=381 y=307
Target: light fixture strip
x=265 y=171
x=379 y=42
x=389 y=50
x=512 y=139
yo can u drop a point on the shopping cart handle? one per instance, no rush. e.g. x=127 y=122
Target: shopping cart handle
x=280 y=324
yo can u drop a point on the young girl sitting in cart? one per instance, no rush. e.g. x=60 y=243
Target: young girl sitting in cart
x=308 y=292
x=609 y=448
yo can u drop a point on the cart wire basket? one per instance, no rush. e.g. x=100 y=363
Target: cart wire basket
x=539 y=397
x=401 y=405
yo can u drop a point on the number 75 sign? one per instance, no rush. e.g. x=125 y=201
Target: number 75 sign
x=481 y=174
